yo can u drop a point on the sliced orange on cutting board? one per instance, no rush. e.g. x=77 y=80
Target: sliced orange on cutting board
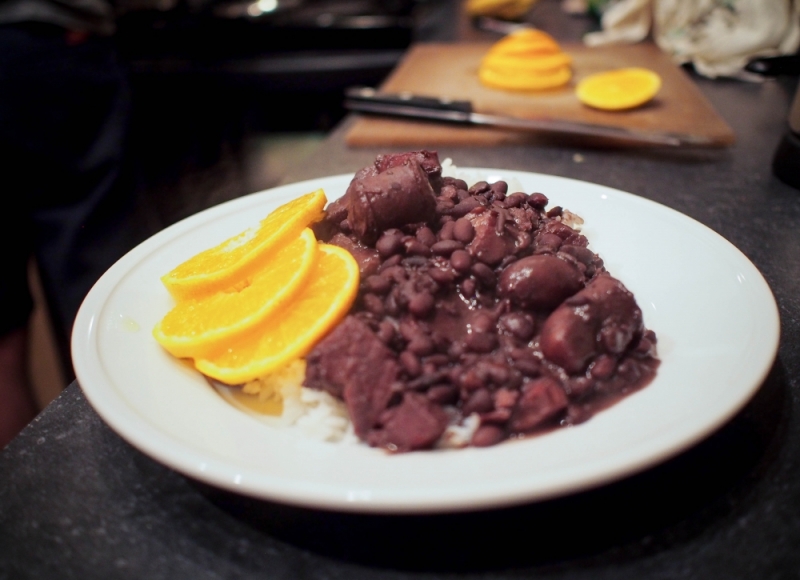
x=292 y=332
x=525 y=60
x=196 y=325
x=241 y=256
x=620 y=89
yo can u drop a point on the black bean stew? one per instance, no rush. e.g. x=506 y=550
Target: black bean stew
x=473 y=302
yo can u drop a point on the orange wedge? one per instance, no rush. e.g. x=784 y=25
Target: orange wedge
x=619 y=89
x=196 y=325
x=241 y=256
x=292 y=332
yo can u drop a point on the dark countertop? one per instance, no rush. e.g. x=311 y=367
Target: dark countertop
x=78 y=502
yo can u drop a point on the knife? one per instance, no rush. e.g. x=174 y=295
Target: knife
x=407 y=105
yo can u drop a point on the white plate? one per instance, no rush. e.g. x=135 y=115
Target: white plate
x=714 y=315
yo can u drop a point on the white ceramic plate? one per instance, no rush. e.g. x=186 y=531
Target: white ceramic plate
x=714 y=315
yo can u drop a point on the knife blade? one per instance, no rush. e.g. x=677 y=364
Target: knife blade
x=420 y=107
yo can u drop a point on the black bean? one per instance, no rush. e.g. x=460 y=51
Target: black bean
x=390 y=262
x=442 y=276
x=481 y=322
x=463 y=230
x=444 y=206
x=377 y=284
x=446 y=233
x=538 y=201
x=519 y=324
x=386 y=332
x=373 y=304
x=461 y=261
x=480 y=401
x=448 y=191
x=481 y=341
x=389 y=244
x=390 y=305
x=469 y=380
x=487 y=435
x=443 y=394
x=421 y=305
x=411 y=363
x=603 y=367
x=426 y=236
x=459 y=183
x=465 y=207
x=484 y=274
x=468 y=287
x=530 y=367
x=479 y=187
x=420 y=345
x=415 y=261
x=438 y=359
x=516 y=199
x=500 y=187
x=446 y=247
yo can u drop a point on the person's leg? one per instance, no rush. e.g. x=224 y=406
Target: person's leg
x=74 y=125
x=64 y=113
x=17 y=406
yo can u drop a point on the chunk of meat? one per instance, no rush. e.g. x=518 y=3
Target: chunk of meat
x=428 y=160
x=601 y=318
x=351 y=363
x=367 y=258
x=540 y=282
x=490 y=244
x=392 y=198
x=416 y=423
x=542 y=400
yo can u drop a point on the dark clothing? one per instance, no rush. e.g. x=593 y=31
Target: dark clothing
x=64 y=114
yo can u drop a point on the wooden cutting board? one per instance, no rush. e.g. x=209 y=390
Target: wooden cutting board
x=450 y=70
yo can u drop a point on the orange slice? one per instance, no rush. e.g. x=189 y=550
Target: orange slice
x=196 y=325
x=619 y=89
x=241 y=256
x=533 y=64
x=521 y=81
x=292 y=332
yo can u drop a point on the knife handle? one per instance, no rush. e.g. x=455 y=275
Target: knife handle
x=370 y=95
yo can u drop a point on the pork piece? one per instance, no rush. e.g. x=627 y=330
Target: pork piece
x=540 y=282
x=398 y=196
x=367 y=258
x=428 y=160
x=542 y=400
x=490 y=243
x=416 y=423
x=603 y=318
x=351 y=363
